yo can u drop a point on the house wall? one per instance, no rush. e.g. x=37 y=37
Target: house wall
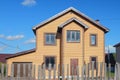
x=118 y=54
x=70 y=50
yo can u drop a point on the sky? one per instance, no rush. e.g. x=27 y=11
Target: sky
x=18 y=17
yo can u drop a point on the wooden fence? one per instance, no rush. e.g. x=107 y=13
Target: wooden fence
x=98 y=71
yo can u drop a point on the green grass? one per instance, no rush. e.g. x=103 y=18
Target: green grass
x=110 y=74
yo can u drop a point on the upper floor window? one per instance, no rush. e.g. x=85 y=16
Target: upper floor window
x=73 y=36
x=50 y=38
x=93 y=39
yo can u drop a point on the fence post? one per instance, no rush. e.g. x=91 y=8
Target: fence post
x=54 y=72
x=67 y=71
x=97 y=70
x=49 y=71
x=2 y=71
x=12 y=72
x=43 y=72
x=33 y=69
x=101 y=69
x=105 y=71
x=88 y=74
x=77 y=70
x=58 y=71
x=39 y=72
x=24 y=71
x=63 y=72
x=92 y=73
x=6 y=71
x=18 y=72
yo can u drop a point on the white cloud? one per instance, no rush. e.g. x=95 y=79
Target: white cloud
x=28 y=2
x=2 y=36
x=110 y=49
x=30 y=41
x=15 y=37
x=2 y=47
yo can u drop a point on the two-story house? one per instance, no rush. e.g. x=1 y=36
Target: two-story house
x=70 y=37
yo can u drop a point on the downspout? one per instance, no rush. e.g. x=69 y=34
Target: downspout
x=83 y=47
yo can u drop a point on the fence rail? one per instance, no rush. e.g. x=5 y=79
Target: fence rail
x=98 y=71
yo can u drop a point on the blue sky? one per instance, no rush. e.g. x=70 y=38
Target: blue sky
x=17 y=17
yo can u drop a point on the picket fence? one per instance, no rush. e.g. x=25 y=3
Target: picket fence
x=86 y=72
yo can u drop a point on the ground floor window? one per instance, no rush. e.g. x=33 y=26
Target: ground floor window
x=49 y=60
x=93 y=59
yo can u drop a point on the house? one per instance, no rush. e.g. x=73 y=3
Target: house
x=117 y=46
x=3 y=57
x=70 y=37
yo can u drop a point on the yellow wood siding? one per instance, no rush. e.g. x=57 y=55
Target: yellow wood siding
x=70 y=50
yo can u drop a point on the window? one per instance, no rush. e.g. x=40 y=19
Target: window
x=93 y=59
x=73 y=36
x=93 y=40
x=50 y=38
x=49 y=60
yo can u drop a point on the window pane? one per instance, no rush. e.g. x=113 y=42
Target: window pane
x=46 y=61
x=77 y=36
x=93 y=39
x=47 y=39
x=68 y=35
x=52 y=61
x=73 y=35
x=52 y=41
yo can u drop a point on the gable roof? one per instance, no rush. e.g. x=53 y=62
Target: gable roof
x=71 y=20
x=117 y=45
x=21 y=53
x=66 y=11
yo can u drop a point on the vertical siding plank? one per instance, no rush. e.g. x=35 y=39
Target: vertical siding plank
x=12 y=71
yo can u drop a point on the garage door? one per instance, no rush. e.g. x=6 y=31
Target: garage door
x=24 y=68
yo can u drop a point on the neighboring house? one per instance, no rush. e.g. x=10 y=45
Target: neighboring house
x=70 y=37
x=3 y=57
x=117 y=52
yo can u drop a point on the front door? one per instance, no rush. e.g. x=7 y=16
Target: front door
x=73 y=64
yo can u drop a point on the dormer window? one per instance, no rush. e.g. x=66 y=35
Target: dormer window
x=73 y=36
x=50 y=39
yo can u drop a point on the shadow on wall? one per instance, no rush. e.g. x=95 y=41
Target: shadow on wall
x=110 y=59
